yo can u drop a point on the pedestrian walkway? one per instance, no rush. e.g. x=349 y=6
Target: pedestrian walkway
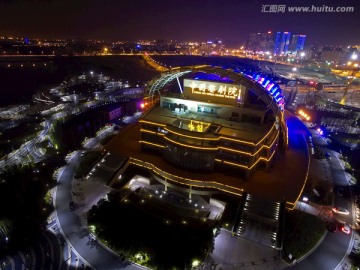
x=72 y=227
x=196 y=207
x=324 y=212
x=238 y=253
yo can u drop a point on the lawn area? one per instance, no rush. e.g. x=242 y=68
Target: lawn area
x=302 y=232
x=130 y=228
x=87 y=162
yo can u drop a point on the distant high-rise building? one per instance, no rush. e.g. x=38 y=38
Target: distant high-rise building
x=211 y=46
x=297 y=43
x=332 y=54
x=282 y=41
x=261 y=42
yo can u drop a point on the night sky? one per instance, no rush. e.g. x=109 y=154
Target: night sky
x=182 y=20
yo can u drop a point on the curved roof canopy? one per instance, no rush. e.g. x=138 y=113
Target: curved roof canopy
x=266 y=89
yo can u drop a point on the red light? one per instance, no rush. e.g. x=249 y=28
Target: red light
x=311 y=82
x=146 y=103
x=347 y=231
x=142 y=105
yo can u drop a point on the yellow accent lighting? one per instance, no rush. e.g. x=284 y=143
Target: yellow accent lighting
x=153 y=144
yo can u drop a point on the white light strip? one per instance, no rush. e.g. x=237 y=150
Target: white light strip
x=177 y=78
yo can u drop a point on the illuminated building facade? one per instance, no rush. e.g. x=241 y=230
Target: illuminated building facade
x=282 y=41
x=213 y=122
x=297 y=43
x=258 y=42
x=207 y=131
x=332 y=54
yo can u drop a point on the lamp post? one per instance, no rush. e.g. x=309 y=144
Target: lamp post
x=354 y=56
x=302 y=54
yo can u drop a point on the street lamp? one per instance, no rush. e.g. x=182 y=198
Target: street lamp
x=302 y=54
x=195 y=263
x=354 y=56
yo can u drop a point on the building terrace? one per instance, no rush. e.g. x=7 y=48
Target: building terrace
x=284 y=182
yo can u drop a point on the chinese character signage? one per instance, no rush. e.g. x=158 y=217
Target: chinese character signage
x=197 y=126
x=213 y=89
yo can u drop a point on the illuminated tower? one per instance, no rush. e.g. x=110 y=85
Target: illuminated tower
x=282 y=41
x=297 y=43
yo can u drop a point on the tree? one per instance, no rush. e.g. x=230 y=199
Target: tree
x=5 y=227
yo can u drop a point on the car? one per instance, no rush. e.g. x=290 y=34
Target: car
x=345 y=229
x=72 y=205
x=332 y=227
x=340 y=210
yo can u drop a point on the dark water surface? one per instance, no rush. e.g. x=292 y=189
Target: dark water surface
x=25 y=76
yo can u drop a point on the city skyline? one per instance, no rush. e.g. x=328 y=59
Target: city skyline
x=231 y=21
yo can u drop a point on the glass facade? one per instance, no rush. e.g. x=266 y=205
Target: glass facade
x=238 y=158
x=174 y=106
x=153 y=138
x=188 y=158
x=191 y=141
x=199 y=153
x=207 y=109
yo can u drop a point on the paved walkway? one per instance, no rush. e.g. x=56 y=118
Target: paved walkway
x=232 y=252
x=75 y=231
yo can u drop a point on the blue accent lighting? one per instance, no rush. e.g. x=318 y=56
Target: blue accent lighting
x=211 y=77
x=270 y=86
x=266 y=83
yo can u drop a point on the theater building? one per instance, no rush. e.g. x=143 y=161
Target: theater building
x=208 y=122
x=209 y=133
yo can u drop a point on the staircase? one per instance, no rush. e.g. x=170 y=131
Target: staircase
x=259 y=221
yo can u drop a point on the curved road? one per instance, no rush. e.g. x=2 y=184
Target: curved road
x=77 y=234
x=335 y=246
